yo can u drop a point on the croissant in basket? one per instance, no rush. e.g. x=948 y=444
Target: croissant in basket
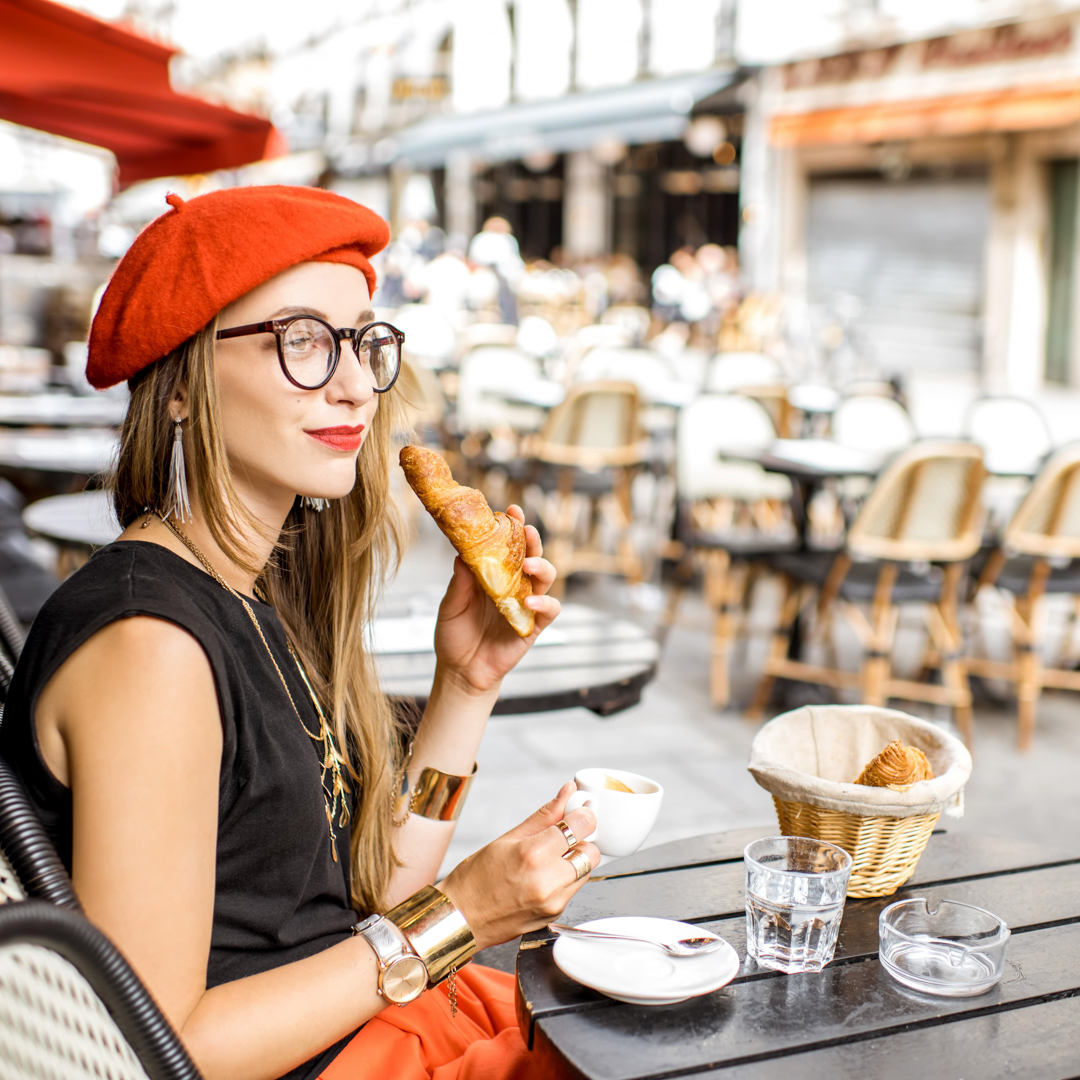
x=897 y=766
x=491 y=544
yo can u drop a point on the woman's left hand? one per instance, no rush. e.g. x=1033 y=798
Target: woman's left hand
x=473 y=642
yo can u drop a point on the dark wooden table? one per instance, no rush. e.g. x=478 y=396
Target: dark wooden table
x=586 y=658
x=850 y=1020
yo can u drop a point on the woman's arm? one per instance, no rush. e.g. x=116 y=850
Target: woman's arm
x=131 y=723
x=475 y=647
x=136 y=713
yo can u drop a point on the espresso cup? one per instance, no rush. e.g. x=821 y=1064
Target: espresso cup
x=623 y=818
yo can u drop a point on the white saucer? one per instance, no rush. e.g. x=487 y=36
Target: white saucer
x=639 y=973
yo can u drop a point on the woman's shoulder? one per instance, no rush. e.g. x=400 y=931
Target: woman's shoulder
x=127 y=578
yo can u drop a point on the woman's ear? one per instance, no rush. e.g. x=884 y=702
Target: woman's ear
x=178 y=408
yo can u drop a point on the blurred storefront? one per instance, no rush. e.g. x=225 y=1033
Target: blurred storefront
x=620 y=169
x=927 y=190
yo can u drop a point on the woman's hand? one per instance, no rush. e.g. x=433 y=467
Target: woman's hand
x=473 y=642
x=520 y=882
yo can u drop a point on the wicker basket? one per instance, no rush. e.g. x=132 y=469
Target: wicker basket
x=884 y=831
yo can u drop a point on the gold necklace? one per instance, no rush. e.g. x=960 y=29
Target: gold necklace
x=332 y=760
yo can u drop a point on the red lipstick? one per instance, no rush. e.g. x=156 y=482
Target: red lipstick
x=343 y=438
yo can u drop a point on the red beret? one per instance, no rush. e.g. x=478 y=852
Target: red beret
x=200 y=256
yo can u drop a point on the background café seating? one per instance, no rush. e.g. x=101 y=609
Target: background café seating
x=585 y=460
x=1015 y=440
x=729 y=517
x=485 y=409
x=755 y=375
x=1037 y=557
x=908 y=545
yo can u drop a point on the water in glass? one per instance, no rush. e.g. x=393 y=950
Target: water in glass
x=795 y=890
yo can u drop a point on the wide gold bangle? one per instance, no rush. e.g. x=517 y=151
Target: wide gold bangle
x=436 y=930
x=437 y=795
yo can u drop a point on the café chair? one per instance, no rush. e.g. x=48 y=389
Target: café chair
x=633 y=318
x=876 y=425
x=584 y=462
x=430 y=339
x=487 y=421
x=594 y=336
x=727 y=518
x=731 y=372
x=755 y=375
x=1039 y=555
x=70 y=1005
x=1016 y=440
x=653 y=376
x=479 y=334
x=909 y=544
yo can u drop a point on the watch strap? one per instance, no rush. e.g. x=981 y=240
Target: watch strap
x=387 y=941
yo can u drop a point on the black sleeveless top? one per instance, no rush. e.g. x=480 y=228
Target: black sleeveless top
x=279 y=895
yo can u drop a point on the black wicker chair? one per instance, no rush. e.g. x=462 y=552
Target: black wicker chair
x=70 y=1005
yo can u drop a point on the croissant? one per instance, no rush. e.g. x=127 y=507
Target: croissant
x=897 y=766
x=491 y=544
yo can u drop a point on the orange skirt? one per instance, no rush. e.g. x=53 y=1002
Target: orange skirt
x=423 y=1042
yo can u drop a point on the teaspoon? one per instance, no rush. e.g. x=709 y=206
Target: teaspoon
x=691 y=946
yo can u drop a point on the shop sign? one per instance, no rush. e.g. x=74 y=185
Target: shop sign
x=434 y=88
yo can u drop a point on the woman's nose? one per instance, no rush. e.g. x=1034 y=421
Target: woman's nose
x=352 y=380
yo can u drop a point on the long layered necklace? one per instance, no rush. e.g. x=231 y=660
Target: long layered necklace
x=335 y=792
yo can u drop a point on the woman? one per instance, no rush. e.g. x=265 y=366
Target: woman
x=194 y=714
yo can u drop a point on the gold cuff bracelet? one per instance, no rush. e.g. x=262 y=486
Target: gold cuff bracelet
x=436 y=930
x=437 y=795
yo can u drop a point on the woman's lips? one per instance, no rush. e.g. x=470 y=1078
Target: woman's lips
x=340 y=438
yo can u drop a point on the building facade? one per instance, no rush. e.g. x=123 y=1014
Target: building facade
x=926 y=183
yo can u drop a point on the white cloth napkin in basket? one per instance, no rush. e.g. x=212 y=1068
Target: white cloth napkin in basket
x=813 y=754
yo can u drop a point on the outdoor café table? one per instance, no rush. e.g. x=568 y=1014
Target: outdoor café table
x=67 y=451
x=586 y=658
x=850 y=1020
x=61 y=410
x=81 y=520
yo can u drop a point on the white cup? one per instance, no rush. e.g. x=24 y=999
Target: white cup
x=623 y=818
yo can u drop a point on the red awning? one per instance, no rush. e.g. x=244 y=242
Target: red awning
x=71 y=74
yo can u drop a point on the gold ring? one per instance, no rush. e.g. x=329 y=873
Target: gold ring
x=565 y=829
x=580 y=862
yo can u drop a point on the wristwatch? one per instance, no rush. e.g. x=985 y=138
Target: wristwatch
x=403 y=975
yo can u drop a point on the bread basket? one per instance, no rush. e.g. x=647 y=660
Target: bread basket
x=807 y=758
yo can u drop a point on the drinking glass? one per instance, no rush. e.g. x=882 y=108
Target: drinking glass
x=795 y=890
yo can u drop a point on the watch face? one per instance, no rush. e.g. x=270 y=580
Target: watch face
x=406 y=978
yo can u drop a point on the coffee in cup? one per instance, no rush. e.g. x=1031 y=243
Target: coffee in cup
x=624 y=803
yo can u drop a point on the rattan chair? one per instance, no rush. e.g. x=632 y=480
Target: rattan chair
x=71 y=1008
x=727 y=519
x=585 y=460
x=908 y=545
x=1038 y=555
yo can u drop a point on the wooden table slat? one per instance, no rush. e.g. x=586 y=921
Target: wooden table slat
x=1038 y=1042
x=1024 y=899
x=769 y=1017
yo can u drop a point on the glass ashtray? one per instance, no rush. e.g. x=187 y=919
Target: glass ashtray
x=954 y=950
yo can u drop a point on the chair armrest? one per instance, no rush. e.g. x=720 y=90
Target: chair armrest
x=71 y=936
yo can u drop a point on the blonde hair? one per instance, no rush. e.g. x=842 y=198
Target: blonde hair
x=323 y=579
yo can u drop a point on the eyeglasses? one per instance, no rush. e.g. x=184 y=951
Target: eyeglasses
x=309 y=349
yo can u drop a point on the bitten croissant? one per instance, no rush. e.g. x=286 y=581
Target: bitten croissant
x=491 y=543
x=897 y=766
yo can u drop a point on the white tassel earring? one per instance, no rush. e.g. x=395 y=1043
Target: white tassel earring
x=177 y=504
x=315 y=504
